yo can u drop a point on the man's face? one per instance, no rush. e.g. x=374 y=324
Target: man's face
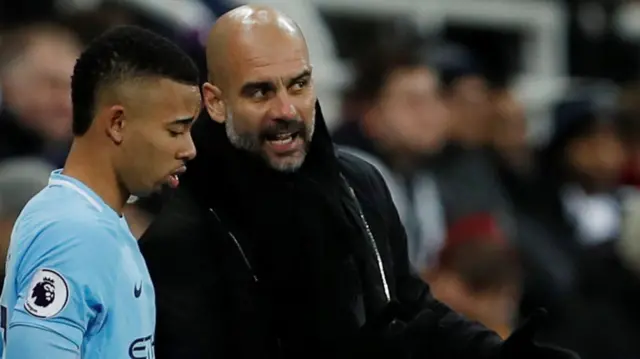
x=598 y=156
x=269 y=100
x=470 y=110
x=508 y=125
x=155 y=137
x=410 y=114
x=38 y=87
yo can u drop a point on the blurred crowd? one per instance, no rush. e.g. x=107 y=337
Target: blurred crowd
x=496 y=225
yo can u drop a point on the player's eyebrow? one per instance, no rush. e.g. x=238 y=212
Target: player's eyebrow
x=183 y=121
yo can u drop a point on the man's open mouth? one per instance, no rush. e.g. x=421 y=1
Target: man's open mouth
x=282 y=138
x=284 y=141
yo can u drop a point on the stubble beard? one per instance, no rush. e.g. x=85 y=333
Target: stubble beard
x=253 y=143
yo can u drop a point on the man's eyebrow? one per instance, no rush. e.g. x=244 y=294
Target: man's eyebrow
x=304 y=74
x=250 y=87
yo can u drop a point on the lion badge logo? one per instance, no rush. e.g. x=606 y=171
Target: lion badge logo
x=48 y=294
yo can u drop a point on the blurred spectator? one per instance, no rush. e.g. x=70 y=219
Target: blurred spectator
x=36 y=62
x=478 y=274
x=507 y=133
x=88 y=24
x=581 y=166
x=573 y=204
x=630 y=131
x=466 y=93
x=603 y=321
x=466 y=167
x=20 y=179
x=403 y=125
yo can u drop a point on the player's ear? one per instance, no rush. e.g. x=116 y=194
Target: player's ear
x=116 y=121
x=213 y=102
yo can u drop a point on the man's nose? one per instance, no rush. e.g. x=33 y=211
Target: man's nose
x=282 y=107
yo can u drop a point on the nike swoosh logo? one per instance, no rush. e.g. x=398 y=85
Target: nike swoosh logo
x=137 y=290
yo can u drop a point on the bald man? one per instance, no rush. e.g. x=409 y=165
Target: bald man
x=277 y=244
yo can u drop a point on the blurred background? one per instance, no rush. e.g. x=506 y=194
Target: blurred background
x=508 y=132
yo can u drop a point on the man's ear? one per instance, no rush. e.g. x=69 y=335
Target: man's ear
x=115 y=119
x=213 y=102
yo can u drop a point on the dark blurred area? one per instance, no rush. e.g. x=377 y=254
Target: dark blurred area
x=508 y=133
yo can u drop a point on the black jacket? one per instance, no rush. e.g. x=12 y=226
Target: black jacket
x=211 y=297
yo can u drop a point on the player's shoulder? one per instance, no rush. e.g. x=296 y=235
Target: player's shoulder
x=57 y=208
x=54 y=222
x=57 y=197
x=74 y=248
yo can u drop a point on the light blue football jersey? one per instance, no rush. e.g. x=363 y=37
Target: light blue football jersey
x=76 y=284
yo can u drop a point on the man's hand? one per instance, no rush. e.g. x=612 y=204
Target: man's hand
x=520 y=344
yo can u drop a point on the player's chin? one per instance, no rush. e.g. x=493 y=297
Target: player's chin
x=146 y=192
x=156 y=187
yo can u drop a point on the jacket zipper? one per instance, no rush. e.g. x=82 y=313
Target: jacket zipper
x=247 y=263
x=370 y=237
x=242 y=253
x=368 y=231
x=372 y=240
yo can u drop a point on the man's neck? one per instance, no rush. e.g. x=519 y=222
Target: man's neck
x=90 y=167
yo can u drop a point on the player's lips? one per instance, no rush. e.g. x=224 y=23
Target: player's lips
x=174 y=179
x=180 y=170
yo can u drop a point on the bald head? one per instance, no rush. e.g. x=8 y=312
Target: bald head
x=260 y=85
x=247 y=27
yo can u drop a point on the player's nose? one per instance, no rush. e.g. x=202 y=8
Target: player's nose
x=189 y=150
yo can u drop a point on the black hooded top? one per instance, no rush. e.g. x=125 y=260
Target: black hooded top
x=248 y=262
x=293 y=228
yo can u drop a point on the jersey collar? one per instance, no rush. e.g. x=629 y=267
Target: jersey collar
x=57 y=178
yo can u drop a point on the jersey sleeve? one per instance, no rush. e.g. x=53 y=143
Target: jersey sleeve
x=62 y=282
x=31 y=342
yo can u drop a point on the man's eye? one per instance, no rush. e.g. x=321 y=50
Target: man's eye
x=299 y=85
x=258 y=94
x=175 y=133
